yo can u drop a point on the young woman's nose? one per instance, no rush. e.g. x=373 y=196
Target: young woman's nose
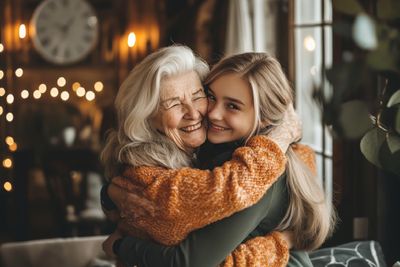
x=214 y=112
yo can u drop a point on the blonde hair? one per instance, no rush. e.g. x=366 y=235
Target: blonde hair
x=309 y=216
x=135 y=142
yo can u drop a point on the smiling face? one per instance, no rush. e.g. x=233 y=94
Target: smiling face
x=183 y=106
x=231 y=113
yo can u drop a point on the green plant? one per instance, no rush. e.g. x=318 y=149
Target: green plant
x=365 y=101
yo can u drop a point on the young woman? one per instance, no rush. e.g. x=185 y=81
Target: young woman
x=247 y=94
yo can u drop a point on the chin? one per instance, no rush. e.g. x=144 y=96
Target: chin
x=196 y=140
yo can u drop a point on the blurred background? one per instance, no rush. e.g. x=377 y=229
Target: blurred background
x=62 y=61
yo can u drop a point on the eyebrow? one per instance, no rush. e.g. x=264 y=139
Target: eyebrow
x=229 y=98
x=178 y=99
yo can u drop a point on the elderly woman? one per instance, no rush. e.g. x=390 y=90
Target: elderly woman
x=161 y=109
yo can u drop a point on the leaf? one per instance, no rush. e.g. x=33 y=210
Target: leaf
x=370 y=145
x=394 y=99
x=390 y=161
x=393 y=142
x=364 y=32
x=354 y=119
x=382 y=58
x=397 y=123
x=388 y=9
x=349 y=7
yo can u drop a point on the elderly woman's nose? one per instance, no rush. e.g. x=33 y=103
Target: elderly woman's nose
x=191 y=111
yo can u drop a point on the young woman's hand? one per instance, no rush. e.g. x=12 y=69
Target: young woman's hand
x=130 y=202
x=289 y=131
x=109 y=243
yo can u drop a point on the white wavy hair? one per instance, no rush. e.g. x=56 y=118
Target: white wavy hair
x=135 y=142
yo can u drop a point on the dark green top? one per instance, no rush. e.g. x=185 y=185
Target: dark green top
x=210 y=245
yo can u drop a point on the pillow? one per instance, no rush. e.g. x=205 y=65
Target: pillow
x=354 y=254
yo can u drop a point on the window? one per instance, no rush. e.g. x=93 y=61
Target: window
x=312 y=43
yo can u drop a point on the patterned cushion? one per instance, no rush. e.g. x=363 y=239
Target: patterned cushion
x=354 y=254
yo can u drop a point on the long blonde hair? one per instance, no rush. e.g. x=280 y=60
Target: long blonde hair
x=135 y=142
x=309 y=216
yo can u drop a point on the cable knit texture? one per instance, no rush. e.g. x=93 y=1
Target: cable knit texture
x=268 y=251
x=188 y=199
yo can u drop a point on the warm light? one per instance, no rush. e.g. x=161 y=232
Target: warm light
x=1 y=74
x=9 y=117
x=64 y=95
x=54 y=92
x=22 y=31
x=80 y=91
x=10 y=99
x=61 y=81
x=98 y=86
x=1 y=47
x=13 y=147
x=90 y=96
x=131 y=39
x=25 y=94
x=37 y=94
x=19 y=72
x=2 y=91
x=1 y=110
x=309 y=43
x=7 y=163
x=9 y=140
x=7 y=186
x=75 y=86
x=42 y=88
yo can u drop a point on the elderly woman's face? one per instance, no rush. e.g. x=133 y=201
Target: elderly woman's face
x=183 y=106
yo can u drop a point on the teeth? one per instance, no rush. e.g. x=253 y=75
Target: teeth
x=217 y=127
x=192 y=127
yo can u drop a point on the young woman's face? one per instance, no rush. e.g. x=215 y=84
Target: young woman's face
x=183 y=106
x=230 y=109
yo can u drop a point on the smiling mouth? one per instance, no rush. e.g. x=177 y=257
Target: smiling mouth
x=217 y=128
x=191 y=128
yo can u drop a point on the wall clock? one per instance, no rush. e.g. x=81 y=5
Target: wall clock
x=64 y=31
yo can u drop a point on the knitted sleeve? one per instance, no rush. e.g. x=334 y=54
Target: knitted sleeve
x=270 y=250
x=188 y=199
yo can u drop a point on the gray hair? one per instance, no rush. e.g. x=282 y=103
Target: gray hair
x=136 y=142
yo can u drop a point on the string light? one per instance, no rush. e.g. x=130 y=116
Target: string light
x=75 y=86
x=13 y=147
x=36 y=94
x=10 y=99
x=19 y=72
x=309 y=43
x=54 y=92
x=9 y=140
x=80 y=91
x=64 y=95
x=98 y=86
x=2 y=91
x=9 y=117
x=1 y=47
x=7 y=163
x=7 y=186
x=1 y=74
x=61 y=81
x=42 y=88
x=22 y=31
x=25 y=94
x=90 y=96
x=131 y=39
x=1 y=110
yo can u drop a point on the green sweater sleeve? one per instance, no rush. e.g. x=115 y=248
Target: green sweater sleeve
x=204 y=247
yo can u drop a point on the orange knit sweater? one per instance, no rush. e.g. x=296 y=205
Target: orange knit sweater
x=187 y=199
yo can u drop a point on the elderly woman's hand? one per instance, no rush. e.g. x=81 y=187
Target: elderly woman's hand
x=289 y=131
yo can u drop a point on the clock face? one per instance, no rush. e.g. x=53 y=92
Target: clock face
x=65 y=31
